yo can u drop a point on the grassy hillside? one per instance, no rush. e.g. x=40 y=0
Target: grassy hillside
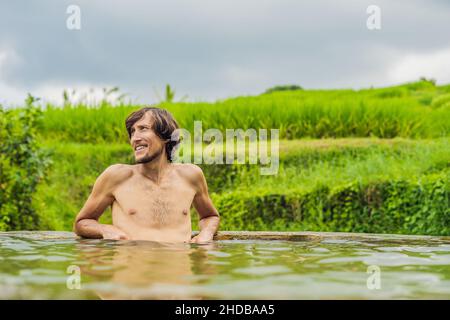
x=373 y=160
x=410 y=111
x=319 y=173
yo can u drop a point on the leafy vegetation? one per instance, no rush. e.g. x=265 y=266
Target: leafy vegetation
x=291 y=87
x=398 y=181
x=22 y=167
x=373 y=160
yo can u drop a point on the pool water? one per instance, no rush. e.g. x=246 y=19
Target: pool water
x=57 y=265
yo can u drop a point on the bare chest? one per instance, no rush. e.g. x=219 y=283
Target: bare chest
x=147 y=204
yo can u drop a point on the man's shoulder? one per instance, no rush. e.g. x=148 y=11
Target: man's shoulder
x=118 y=172
x=189 y=171
x=188 y=168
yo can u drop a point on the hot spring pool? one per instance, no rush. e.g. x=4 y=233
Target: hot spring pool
x=305 y=265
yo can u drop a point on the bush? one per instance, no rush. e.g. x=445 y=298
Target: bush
x=320 y=184
x=391 y=206
x=291 y=87
x=22 y=166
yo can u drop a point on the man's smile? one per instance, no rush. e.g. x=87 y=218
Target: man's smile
x=140 y=147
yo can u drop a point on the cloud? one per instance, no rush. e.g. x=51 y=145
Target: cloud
x=434 y=65
x=7 y=92
x=213 y=49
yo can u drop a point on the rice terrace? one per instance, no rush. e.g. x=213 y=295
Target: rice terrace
x=362 y=162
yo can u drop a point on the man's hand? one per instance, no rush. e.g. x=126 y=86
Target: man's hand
x=113 y=233
x=203 y=237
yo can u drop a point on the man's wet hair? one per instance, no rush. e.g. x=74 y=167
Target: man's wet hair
x=163 y=125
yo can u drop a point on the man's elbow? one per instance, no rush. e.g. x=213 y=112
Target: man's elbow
x=77 y=227
x=80 y=225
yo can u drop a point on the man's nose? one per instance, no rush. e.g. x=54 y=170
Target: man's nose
x=135 y=138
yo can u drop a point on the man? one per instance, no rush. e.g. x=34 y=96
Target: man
x=150 y=200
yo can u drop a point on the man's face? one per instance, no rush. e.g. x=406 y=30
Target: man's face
x=146 y=144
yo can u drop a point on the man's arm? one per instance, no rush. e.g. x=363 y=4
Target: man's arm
x=86 y=222
x=209 y=217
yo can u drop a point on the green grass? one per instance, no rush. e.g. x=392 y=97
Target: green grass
x=416 y=110
x=364 y=160
x=305 y=166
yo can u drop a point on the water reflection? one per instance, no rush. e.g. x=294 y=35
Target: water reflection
x=143 y=269
x=33 y=266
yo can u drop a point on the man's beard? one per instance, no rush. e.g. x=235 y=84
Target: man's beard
x=150 y=157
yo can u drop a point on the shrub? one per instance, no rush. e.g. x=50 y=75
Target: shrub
x=390 y=206
x=22 y=166
x=291 y=87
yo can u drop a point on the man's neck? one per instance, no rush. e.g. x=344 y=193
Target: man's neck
x=155 y=169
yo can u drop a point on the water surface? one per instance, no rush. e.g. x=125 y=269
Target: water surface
x=37 y=265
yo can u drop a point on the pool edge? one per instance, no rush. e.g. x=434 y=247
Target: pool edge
x=262 y=235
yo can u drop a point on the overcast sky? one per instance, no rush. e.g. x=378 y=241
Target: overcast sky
x=211 y=50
